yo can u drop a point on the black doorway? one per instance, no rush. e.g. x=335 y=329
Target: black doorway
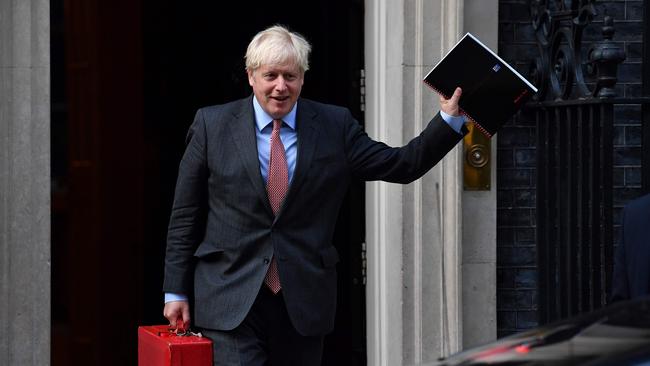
x=157 y=62
x=193 y=56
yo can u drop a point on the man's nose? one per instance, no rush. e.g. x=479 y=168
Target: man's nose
x=280 y=84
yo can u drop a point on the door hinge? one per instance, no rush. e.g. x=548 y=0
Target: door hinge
x=362 y=90
x=364 y=263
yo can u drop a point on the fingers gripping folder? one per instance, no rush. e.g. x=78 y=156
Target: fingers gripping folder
x=160 y=345
x=493 y=91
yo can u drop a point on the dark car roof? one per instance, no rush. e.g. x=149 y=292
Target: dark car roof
x=616 y=335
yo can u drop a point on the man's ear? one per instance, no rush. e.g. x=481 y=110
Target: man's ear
x=251 y=80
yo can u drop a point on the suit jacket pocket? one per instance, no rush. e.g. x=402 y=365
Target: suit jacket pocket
x=329 y=256
x=207 y=250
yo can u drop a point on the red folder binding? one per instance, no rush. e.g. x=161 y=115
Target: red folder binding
x=160 y=346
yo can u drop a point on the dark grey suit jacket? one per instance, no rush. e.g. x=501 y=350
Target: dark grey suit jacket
x=632 y=261
x=222 y=231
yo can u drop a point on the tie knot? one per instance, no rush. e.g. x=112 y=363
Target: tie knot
x=277 y=124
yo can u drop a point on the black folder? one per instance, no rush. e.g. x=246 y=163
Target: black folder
x=493 y=91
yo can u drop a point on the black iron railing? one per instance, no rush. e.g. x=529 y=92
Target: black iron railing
x=574 y=114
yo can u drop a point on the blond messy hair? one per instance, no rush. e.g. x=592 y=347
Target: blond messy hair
x=277 y=46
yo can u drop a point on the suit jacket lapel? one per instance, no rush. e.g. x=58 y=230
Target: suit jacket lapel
x=307 y=128
x=243 y=132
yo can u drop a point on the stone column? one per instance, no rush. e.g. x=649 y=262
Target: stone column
x=413 y=232
x=24 y=182
x=416 y=233
x=479 y=212
x=384 y=21
x=432 y=231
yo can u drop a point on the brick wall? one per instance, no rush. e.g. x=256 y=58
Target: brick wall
x=516 y=254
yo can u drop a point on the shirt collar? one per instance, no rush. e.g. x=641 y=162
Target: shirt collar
x=262 y=119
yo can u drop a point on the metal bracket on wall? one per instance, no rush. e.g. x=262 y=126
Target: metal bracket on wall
x=364 y=264
x=477 y=162
x=362 y=90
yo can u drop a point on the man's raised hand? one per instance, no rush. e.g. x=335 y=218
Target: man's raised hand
x=450 y=106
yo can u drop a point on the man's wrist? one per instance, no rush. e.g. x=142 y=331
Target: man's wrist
x=455 y=122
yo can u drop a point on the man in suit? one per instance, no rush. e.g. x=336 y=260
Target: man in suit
x=259 y=189
x=632 y=261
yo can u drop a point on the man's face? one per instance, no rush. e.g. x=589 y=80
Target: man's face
x=276 y=87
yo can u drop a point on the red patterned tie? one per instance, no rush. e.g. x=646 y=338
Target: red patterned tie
x=276 y=188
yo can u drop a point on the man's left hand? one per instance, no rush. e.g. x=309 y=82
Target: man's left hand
x=450 y=106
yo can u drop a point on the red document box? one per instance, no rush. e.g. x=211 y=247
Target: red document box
x=157 y=346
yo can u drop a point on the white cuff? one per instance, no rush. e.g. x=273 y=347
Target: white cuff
x=456 y=122
x=169 y=297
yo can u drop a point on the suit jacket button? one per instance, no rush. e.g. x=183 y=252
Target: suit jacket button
x=266 y=260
